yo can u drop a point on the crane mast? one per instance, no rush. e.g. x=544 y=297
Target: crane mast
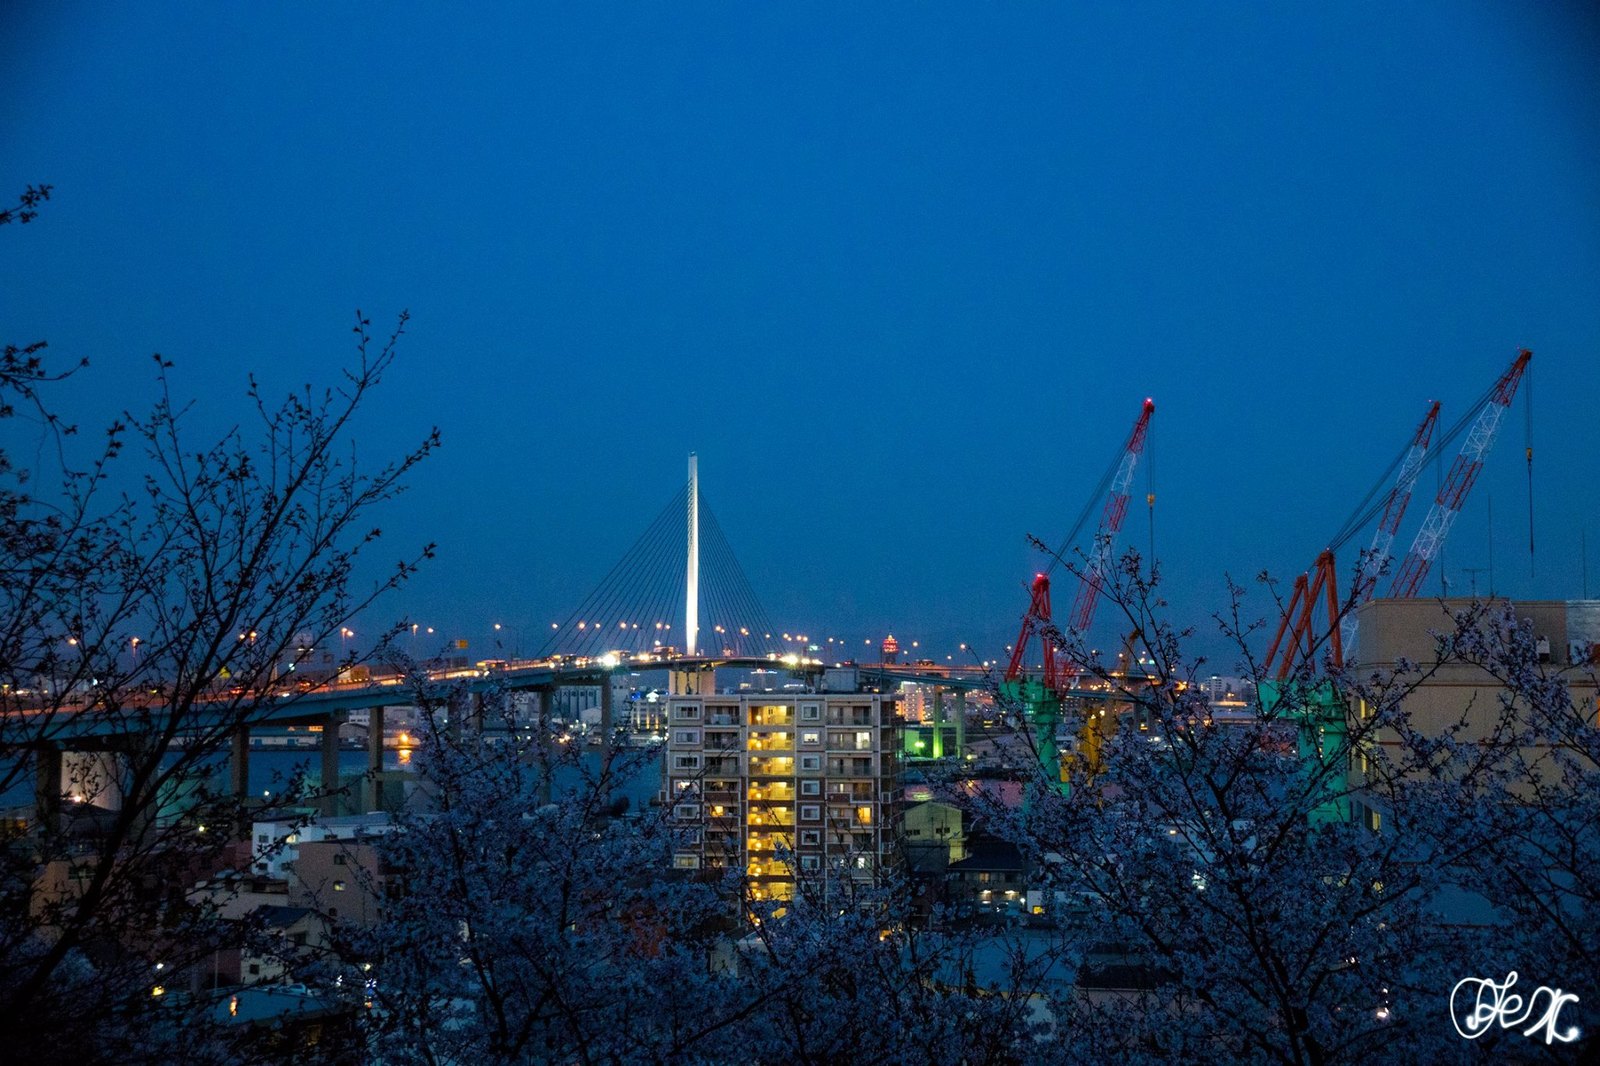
x=1463 y=473
x=1116 y=509
x=1041 y=696
x=1394 y=510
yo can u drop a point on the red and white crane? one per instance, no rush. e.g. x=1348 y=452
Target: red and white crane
x=1463 y=473
x=1041 y=697
x=1111 y=518
x=1299 y=622
x=1394 y=509
x=1117 y=486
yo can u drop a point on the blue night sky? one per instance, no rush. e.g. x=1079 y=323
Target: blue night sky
x=900 y=274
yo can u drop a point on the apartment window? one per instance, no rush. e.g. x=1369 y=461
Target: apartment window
x=811 y=837
x=687 y=812
x=686 y=736
x=810 y=712
x=263 y=838
x=810 y=762
x=686 y=862
x=807 y=788
x=338 y=858
x=686 y=762
x=810 y=738
x=338 y=886
x=688 y=712
x=809 y=862
x=810 y=812
x=255 y=969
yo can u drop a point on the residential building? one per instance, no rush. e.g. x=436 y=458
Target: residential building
x=276 y=844
x=345 y=879
x=990 y=879
x=784 y=785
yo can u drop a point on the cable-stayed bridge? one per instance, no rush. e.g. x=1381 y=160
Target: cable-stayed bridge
x=678 y=589
x=678 y=601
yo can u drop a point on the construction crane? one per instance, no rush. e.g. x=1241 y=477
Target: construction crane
x=1041 y=696
x=1463 y=474
x=1323 y=588
x=1319 y=587
x=1394 y=509
x=1320 y=709
x=1111 y=518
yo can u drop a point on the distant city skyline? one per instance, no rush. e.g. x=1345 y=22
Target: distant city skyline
x=902 y=284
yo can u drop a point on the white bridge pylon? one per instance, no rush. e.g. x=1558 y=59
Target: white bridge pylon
x=678 y=589
x=691 y=599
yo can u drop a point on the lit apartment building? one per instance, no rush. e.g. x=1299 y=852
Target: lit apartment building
x=783 y=785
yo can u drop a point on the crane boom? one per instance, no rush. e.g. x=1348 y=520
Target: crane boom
x=1463 y=473
x=1394 y=510
x=1116 y=509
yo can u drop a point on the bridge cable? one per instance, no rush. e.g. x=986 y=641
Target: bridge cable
x=626 y=590
x=602 y=592
x=747 y=605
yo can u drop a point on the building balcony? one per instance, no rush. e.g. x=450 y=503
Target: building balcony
x=778 y=818
x=755 y=867
x=768 y=843
x=772 y=716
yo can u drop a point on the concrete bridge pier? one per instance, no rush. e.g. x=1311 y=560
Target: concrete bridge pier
x=606 y=700
x=543 y=703
x=239 y=762
x=47 y=785
x=455 y=709
x=938 y=722
x=961 y=723
x=329 y=803
x=372 y=784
